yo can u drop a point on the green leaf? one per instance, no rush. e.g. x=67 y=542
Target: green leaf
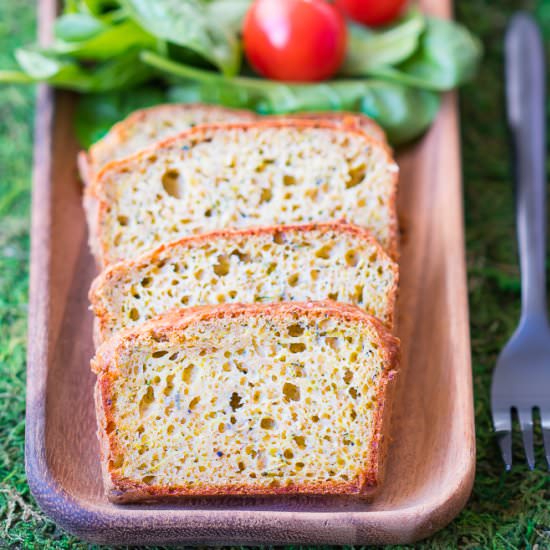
x=188 y=23
x=404 y=112
x=448 y=55
x=110 y=42
x=96 y=113
x=369 y=49
x=74 y=27
x=231 y=12
x=122 y=72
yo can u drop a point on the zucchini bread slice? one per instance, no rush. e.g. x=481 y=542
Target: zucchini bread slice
x=245 y=399
x=269 y=264
x=146 y=127
x=238 y=176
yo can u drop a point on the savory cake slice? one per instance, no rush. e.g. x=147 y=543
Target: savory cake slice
x=245 y=399
x=269 y=264
x=145 y=127
x=242 y=175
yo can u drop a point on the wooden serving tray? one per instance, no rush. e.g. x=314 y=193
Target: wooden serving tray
x=431 y=459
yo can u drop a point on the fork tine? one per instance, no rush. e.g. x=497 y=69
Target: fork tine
x=526 y=425
x=502 y=421
x=545 y=422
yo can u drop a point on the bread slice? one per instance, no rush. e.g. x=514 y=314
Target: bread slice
x=245 y=399
x=242 y=175
x=270 y=264
x=146 y=127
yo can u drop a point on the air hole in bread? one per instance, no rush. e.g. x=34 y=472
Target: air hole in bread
x=289 y=180
x=267 y=423
x=221 y=268
x=325 y=251
x=333 y=343
x=295 y=330
x=356 y=175
x=134 y=314
x=291 y=392
x=122 y=220
x=146 y=401
x=171 y=182
x=157 y=354
x=297 y=347
x=187 y=374
x=266 y=195
x=352 y=258
x=293 y=279
x=194 y=402
x=236 y=401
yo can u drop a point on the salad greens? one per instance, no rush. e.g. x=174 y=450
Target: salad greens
x=127 y=54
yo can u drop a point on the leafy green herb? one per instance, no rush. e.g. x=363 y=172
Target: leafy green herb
x=38 y=65
x=404 y=112
x=109 y=42
x=448 y=55
x=187 y=23
x=368 y=49
x=75 y=27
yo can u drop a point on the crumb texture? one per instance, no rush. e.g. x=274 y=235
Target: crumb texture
x=243 y=177
x=269 y=265
x=260 y=401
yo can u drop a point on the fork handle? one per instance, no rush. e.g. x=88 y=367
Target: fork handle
x=525 y=91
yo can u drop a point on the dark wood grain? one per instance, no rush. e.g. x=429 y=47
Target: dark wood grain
x=431 y=459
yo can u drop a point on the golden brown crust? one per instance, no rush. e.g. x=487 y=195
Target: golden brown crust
x=104 y=364
x=117 y=270
x=194 y=135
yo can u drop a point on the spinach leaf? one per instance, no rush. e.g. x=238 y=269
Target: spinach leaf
x=44 y=66
x=96 y=113
x=231 y=12
x=110 y=42
x=74 y=27
x=188 y=23
x=368 y=49
x=403 y=112
x=448 y=55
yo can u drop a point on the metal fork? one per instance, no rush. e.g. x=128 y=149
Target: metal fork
x=521 y=380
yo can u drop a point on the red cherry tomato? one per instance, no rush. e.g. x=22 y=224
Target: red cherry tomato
x=372 y=12
x=294 y=40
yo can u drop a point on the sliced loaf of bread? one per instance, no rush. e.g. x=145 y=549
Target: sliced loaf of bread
x=245 y=399
x=271 y=264
x=146 y=127
x=242 y=175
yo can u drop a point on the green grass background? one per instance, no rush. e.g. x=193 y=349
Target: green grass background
x=506 y=511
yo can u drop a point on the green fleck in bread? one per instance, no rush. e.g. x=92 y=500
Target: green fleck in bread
x=245 y=399
x=242 y=175
x=270 y=264
x=146 y=127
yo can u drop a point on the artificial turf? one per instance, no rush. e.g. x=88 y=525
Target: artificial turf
x=506 y=511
